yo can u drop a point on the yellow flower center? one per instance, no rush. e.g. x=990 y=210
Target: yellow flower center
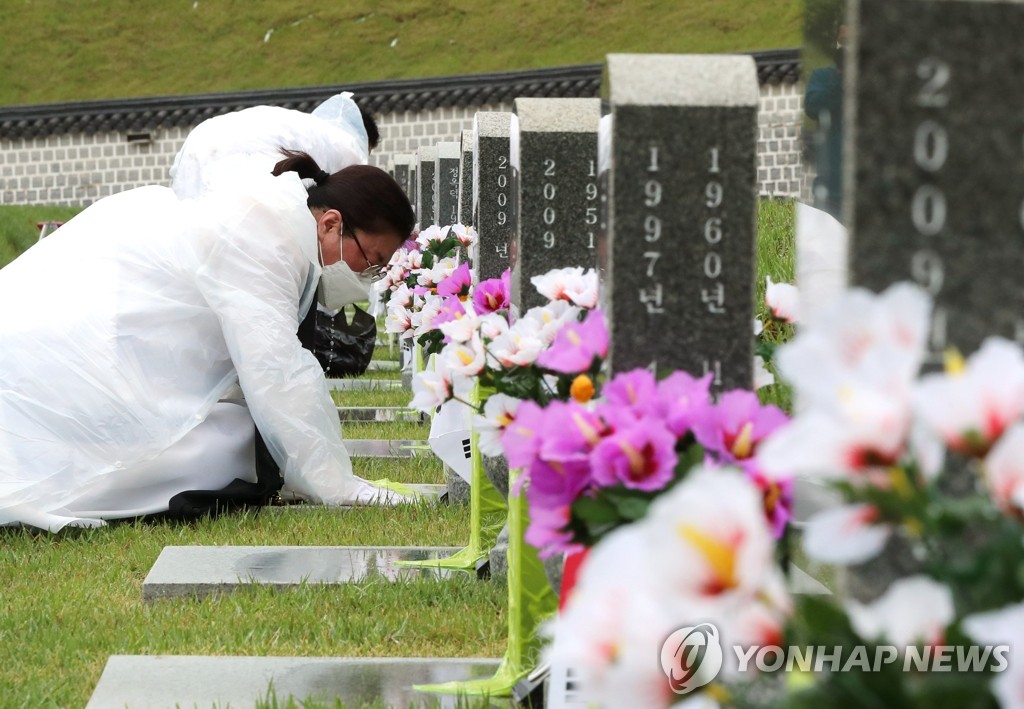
x=582 y=389
x=465 y=355
x=744 y=443
x=954 y=362
x=720 y=557
x=574 y=338
x=585 y=428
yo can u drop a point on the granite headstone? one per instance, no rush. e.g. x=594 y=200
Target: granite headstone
x=466 y=178
x=934 y=174
x=426 y=185
x=401 y=173
x=683 y=204
x=446 y=196
x=557 y=188
x=493 y=199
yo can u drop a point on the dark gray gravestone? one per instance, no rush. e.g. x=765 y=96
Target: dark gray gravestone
x=493 y=197
x=446 y=195
x=683 y=205
x=401 y=173
x=466 y=178
x=935 y=161
x=558 y=197
x=414 y=185
x=426 y=186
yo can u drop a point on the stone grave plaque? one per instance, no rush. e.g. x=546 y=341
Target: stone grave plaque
x=166 y=681
x=446 y=195
x=557 y=187
x=682 y=216
x=493 y=198
x=385 y=448
x=401 y=173
x=466 y=178
x=426 y=186
x=414 y=186
x=934 y=177
x=202 y=570
x=364 y=384
x=371 y=414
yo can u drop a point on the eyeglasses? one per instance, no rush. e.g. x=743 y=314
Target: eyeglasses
x=372 y=271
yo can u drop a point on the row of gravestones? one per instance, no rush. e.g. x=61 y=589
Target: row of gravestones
x=663 y=201
x=660 y=196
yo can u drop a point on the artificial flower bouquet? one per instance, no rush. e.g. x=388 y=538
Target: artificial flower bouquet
x=930 y=468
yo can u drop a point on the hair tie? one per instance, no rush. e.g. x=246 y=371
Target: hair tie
x=322 y=177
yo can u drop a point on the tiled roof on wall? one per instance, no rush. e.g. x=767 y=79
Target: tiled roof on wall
x=140 y=114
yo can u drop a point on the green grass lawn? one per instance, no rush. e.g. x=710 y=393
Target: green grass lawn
x=126 y=48
x=18 y=227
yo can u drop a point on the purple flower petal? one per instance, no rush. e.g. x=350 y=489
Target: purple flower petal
x=642 y=457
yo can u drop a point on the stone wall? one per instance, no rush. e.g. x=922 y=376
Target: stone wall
x=78 y=169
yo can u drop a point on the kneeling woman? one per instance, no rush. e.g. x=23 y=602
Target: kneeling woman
x=124 y=335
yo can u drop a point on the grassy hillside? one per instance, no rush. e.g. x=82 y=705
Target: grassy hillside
x=18 y=227
x=54 y=50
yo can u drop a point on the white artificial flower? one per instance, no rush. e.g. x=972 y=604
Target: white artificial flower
x=762 y=377
x=464 y=359
x=714 y=541
x=551 y=318
x=845 y=535
x=492 y=325
x=431 y=233
x=971 y=408
x=461 y=329
x=466 y=235
x=1004 y=470
x=431 y=387
x=861 y=444
x=401 y=296
x=398 y=321
x=859 y=341
x=573 y=284
x=442 y=268
x=613 y=625
x=499 y=412
x=758 y=327
x=783 y=299
x=1002 y=627
x=519 y=347
x=423 y=319
x=913 y=611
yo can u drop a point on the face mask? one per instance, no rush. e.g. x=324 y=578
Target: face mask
x=340 y=286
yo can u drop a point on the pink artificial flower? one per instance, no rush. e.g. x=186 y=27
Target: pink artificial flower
x=735 y=426
x=555 y=484
x=457 y=283
x=570 y=432
x=636 y=389
x=547 y=531
x=492 y=295
x=522 y=438
x=684 y=399
x=451 y=309
x=642 y=457
x=576 y=345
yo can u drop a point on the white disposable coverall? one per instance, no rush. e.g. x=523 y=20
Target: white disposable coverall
x=333 y=135
x=121 y=331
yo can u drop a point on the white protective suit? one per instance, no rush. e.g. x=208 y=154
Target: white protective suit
x=333 y=134
x=121 y=331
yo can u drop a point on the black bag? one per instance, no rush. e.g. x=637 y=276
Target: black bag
x=343 y=346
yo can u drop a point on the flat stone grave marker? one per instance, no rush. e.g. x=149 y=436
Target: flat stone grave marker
x=446 y=196
x=364 y=384
x=202 y=570
x=466 y=178
x=383 y=365
x=426 y=185
x=682 y=214
x=171 y=681
x=493 y=206
x=557 y=190
x=401 y=173
x=381 y=414
x=385 y=448
x=936 y=188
